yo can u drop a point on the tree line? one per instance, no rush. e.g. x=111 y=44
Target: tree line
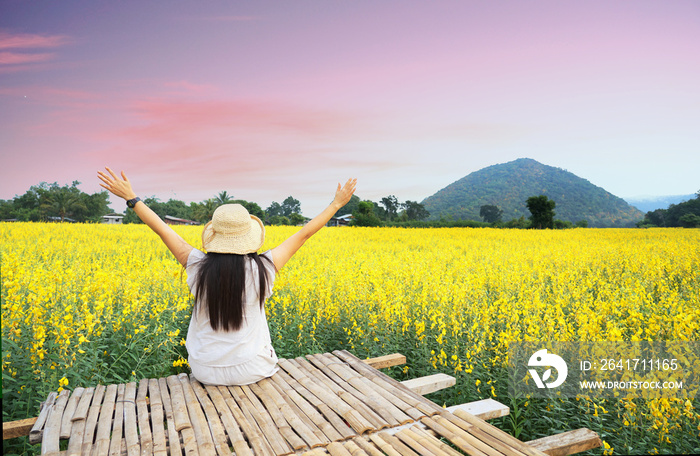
x=685 y=214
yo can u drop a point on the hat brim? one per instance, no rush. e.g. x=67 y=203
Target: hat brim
x=249 y=242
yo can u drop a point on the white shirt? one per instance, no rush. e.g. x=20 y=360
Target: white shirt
x=228 y=348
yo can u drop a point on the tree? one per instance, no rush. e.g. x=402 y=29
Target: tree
x=204 y=211
x=274 y=210
x=689 y=220
x=415 y=211
x=252 y=208
x=223 y=198
x=391 y=206
x=290 y=206
x=490 y=213
x=365 y=216
x=542 y=210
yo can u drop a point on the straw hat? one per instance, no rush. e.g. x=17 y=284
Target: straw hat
x=233 y=230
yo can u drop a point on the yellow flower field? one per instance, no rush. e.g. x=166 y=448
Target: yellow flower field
x=87 y=304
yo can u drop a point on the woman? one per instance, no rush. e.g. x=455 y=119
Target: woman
x=228 y=341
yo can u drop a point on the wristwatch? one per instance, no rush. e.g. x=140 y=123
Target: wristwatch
x=132 y=202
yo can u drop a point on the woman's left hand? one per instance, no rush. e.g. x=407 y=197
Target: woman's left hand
x=119 y=187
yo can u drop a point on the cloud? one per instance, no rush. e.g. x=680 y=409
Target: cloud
x=26 y=44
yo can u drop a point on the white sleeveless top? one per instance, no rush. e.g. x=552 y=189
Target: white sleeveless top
x=228 y=348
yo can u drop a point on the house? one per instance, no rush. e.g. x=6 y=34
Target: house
x=113 y=219
x=178 y=221
x=343 y=220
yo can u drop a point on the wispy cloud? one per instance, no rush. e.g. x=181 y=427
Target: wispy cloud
x=23 y=48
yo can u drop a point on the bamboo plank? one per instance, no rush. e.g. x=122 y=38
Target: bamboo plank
x=205 y=443
x=104 y=425
x=247 y=401
x=333 y=418
x=91 y=421
x=337 y=449
x=402 y=448
x=469 y=438
x=354 y=449
x=324 y=428
x=380 y=362
x=215 y=426
x=356 y=421
x=462 y=444
x=248 y=425
x=131 y=435
x=35 y=433
x=367 y=447
x=468 y=419
x=52 y=429
x=178 y=403
x=75 y=442
x=157 y=418
x=420 y=446
x=189 y=442
x=81 y=411
x=257 y=395
x=298 y=427
x=441 y=445
x=566 y=443
x=373 y=410
x=115 y=444
x=173 y=437
x=67 y=418
x=144 y=426
x=345 y=391
x=296 y=410
x=383 y=406
x=240 y=447
x=422 y=404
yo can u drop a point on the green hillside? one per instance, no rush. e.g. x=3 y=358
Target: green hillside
x=509 y=185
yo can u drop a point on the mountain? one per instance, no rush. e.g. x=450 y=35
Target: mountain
x=509 y=185
x=651 y=203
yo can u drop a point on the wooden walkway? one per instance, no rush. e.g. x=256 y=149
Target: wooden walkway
x=318 y=405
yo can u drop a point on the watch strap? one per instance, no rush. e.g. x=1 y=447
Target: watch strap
x=132 y=202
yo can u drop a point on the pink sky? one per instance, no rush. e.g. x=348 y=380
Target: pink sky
x=271 y=99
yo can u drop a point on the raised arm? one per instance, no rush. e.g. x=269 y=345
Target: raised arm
x=122 y=188
x=283 y=252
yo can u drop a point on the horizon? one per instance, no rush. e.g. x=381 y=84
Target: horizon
x=271 y=99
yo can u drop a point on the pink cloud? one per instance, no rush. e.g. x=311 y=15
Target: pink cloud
x=28 y=41
x=14 y=58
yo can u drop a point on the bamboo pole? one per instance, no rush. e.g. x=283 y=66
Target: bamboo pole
x=338 y=425
x=131 y=435
x=91 y=421
x=368 y=448
x=469 y=419
x=469 y=438
x=205 y=443
x=402 y=448
x=52 y=430
x=173 y=437
x=146 y=436
x=383 y=445
x=419 y=446
x=115 y=444
x=67 y=419
x=104 y=425
x=240 y=447
x=354 y=449
x=337 y=449
x=81 y=411
x=35 y=433
x=296 y=410
x=435 y=441
x=75 y=442
x=178 y=403
x=247 y=401
x=465 y=446
x=257 y=395
x=248 y=425
x=157 y=418
x=423 y=404
x=212 y=416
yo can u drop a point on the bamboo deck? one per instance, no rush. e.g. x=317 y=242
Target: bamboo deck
x=314 y=406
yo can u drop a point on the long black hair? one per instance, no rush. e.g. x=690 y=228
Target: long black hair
x=220 y=284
